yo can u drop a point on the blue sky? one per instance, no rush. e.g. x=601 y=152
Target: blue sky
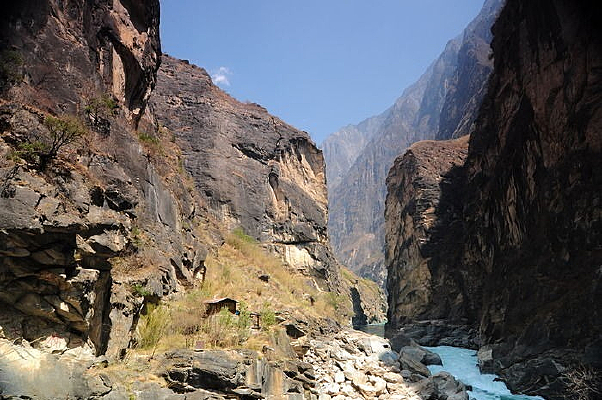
x=316 y=64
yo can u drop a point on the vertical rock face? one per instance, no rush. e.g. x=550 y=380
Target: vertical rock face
x=534 y=214
x=72 y=49
x=526 y=270
x=422 y=227
x=440 y=105
x=77 y=236
x=469 y=82
x=255 y=171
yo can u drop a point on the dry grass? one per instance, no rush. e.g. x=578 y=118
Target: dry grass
x=235 y=272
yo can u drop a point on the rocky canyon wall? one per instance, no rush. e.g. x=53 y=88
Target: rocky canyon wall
x=440 y=105
x=107 y=205
x=423 y=228
x=101 y=224
x=520 y=241
x=254 y=171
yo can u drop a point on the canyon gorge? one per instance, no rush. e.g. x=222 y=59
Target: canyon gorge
x=136 y=197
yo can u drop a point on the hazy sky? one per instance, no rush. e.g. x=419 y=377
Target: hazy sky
x=316 y=64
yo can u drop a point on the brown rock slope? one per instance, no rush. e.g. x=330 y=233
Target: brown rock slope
x=258 y=173
x=255 y=171
x=524 y=266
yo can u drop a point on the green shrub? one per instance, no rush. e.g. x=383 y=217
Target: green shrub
x=140 y=290
x=268 y=318
x=244 y=317
x=99 y=110
x=335 y=300
x=241 y=241
x=238 y=234
x=105 y=104
x=226 y=329
x=29 y=151
x=137 y=237
x=63 y=131
x=152 y=327
x=146 y=138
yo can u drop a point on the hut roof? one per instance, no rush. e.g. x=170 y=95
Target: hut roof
x=220 y=300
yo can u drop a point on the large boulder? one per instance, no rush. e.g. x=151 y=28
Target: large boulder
x=441 y=386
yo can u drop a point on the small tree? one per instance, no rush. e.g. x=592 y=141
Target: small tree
x=99 y=110
x=63 y=131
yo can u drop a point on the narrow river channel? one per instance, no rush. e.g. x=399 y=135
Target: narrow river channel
x=462 y=363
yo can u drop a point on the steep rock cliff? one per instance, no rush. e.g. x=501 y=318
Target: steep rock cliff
x=100 y=216
x=68 y=50
x=439 y=105
x=526 y=268
x=357 y=203
x=255 y=171
x=422 y=228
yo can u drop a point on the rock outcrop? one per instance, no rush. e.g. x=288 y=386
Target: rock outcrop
x=516 y=230
x=104 y=209
x=255 y=171
x=440 y=105
x=422 y=232
x=65 y=51
x=75 y=231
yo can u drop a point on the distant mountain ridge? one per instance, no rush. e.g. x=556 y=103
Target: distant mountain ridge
x=440 y=105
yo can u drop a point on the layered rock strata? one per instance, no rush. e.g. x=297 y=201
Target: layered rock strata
x=523 y=265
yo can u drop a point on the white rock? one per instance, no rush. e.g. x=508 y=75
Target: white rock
x=331 y=388
x=359 y=363
x=367 y=390
x=357 y=378
x=54 y=344
x=348 y=390
x=340 y=354
x=392 y=377
x=379 y=384
x=339 y=377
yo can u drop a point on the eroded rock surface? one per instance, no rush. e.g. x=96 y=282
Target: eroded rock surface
x=515 y=245
x=419 y=240
x=77 y=49
x=255 y=171
x=75 y=233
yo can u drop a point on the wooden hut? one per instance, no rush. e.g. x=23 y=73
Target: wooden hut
x=214 y=306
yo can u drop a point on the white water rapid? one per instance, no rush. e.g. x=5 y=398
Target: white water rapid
x=462 y=363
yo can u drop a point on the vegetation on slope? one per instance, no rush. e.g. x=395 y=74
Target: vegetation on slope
x=261 y=283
